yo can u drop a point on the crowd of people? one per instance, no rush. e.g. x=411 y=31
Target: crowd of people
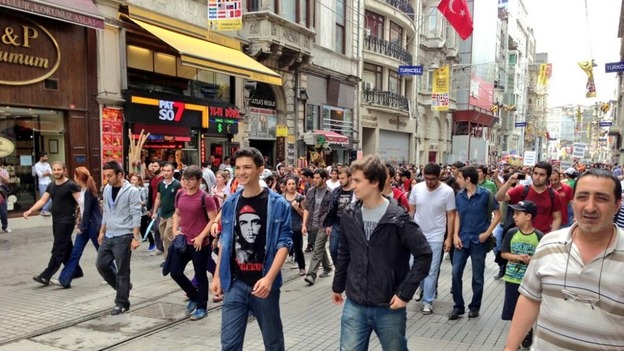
x=381 y=231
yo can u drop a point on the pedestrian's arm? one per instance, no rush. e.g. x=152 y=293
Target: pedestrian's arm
x=39 y=204
x=456 y=239
x=501 y=194
x=135 y=212
x=524 y=317
x=342 y=261
x=176 y=222
x=412 y=210
x=495 y=221
x=156 y=206
x=556 y=223
x=414 y=239
x=89 y=201
x=450 y=226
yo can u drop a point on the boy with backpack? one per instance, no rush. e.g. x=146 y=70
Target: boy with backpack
x=518 y=248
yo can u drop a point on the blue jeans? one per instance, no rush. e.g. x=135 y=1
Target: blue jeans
x=334 y=240
x=4 y=214
x=359 y=321
x=498 y=234
x=429 y=284
x=237 y=304
x=42 y=189
x=477 y=256
x=81 y=241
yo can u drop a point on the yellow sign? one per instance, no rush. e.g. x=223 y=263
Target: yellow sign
x=28 y=48
x=225 y=15
x=440 y=89
x=282 y=131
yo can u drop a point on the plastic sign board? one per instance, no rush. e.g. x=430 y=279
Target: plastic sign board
x=530 y=158
x=606 y=123
x=614 y=67
x=520 y=124
x=410 y=70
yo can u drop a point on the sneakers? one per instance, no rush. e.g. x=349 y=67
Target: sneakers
x=309 y=279
x=39 y=279
x=217 y=299
x=473 y=314
x=294 y=266
x=427 y=308
x=454 y=314
x=151 y=248
x=191 y=307
x=501 y=273
x=302 y=272
x=199 y=313
x=156 y=252
x=419 y=294
x=528 y=339
x=45 y=213
x=119 y=309
x=7 y=230
x=58 y=283
x=326 y=273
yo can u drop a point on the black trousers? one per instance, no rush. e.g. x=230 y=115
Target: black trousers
x=61 y=249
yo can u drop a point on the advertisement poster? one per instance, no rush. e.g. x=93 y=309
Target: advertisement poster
x=263 y=123
x=225 y=15
x=112 y=135
x=440 y=89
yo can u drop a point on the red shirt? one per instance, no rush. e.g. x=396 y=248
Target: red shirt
x=545 y=206
x=192 y=218
x=566 y=194
x=401 y=197
x=154 y=185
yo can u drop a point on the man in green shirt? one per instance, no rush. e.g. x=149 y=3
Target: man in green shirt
x=165 y=199
x=482 y=171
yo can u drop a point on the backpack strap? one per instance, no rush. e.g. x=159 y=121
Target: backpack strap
x=490 y=202
x=525 y=192
x=177 y=197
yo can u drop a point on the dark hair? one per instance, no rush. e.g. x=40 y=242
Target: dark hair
x=373 y=168
x=457 y=164
x=557 y=171
x=252 y=153
x=334 y=169
x=601 y=173
x=406 y=174
x=114 y=166
x=169 y=165
x=321 y=172
x=307 y=172
x=433 y=169
x=192 y=172
x=42 y=153
x=483 y=168
x=545 y=166
x=470 y=172
x=391 y=170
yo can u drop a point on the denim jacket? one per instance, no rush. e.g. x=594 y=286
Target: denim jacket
x=278 y=232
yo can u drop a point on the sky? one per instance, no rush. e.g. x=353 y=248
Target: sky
x=562 y=30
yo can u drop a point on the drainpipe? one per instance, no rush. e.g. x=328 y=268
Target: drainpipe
x=296 y=103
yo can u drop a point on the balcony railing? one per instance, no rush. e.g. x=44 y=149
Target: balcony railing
x=385 y=98
x=403 y=6
x=387 y=48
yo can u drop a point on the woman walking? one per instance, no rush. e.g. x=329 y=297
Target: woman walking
x=87 y=229
x=221 y=191
x=295 y=199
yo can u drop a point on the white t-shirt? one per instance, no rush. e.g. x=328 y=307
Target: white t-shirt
x=431 y=207
x=331 y=185
x=40 y=169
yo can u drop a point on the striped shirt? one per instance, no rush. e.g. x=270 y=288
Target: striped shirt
x=573 y=324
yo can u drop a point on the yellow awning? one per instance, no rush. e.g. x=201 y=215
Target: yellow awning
x=202 y=54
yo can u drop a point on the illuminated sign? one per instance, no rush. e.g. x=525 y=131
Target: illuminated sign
x=165 y=112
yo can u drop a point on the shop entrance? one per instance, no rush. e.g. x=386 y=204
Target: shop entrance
x=266 y=147
x=25 y=133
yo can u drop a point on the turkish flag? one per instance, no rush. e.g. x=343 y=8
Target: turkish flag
x=458 y=15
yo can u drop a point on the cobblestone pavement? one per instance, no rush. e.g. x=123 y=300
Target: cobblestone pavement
x=51 y=318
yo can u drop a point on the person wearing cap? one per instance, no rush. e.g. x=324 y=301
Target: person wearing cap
x=518 y=248
x=256 y=236
x=573 y=286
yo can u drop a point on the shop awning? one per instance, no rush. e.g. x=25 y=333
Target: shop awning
x=311 y=138
x=81 y=12
x=203 y=54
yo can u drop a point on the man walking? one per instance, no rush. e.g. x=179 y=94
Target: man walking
x=566 y=194
x=432 y=205
x=377 y=239
x=164 y=206
x=4 y=183
x=341 y=197
x=157 y=177
x=65 y=194
x=119 y=234
x=44 y=172
x=316 y=207
x=573 y=285
x=249 y=273
x=473 y=227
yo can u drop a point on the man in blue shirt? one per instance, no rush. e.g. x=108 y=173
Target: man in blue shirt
x=473 y=227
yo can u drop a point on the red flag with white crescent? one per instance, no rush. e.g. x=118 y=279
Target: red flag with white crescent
x=458 y=15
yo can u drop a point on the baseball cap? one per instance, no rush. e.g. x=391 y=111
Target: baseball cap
x=265 y=174
x=526 y=206
x=570 y=171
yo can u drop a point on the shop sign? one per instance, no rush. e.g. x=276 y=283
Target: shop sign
x=369 y=121
x=262 y=123
x=282 y=131
x=263 y=96
x=222 y=120
x=6 y=147
x=28 y=51
x=165 y=112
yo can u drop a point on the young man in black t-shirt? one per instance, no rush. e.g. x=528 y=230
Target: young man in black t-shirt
x=64 y=193
x=256 y=237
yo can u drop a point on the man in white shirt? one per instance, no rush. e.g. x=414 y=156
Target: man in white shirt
x=43 y=172
x=432 y=205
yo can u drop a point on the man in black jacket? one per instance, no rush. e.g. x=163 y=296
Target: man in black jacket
x=377 y=239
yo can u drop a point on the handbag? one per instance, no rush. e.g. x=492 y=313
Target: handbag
x=490 y=243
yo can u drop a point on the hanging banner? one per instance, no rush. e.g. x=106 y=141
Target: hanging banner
x=440 y=89
x=545 y=73
x=112 y=135
x=225 y=15
x=590 y=87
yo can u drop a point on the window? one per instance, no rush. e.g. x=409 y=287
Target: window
x=513 y=59
x=430 y=78
x=372 y=77
x=374 y=24
x=340 y=26
x=396 y=34
x=253 y=5
x=313 y=118
x=289 y=10
x=394 y=82
x=433 y=24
